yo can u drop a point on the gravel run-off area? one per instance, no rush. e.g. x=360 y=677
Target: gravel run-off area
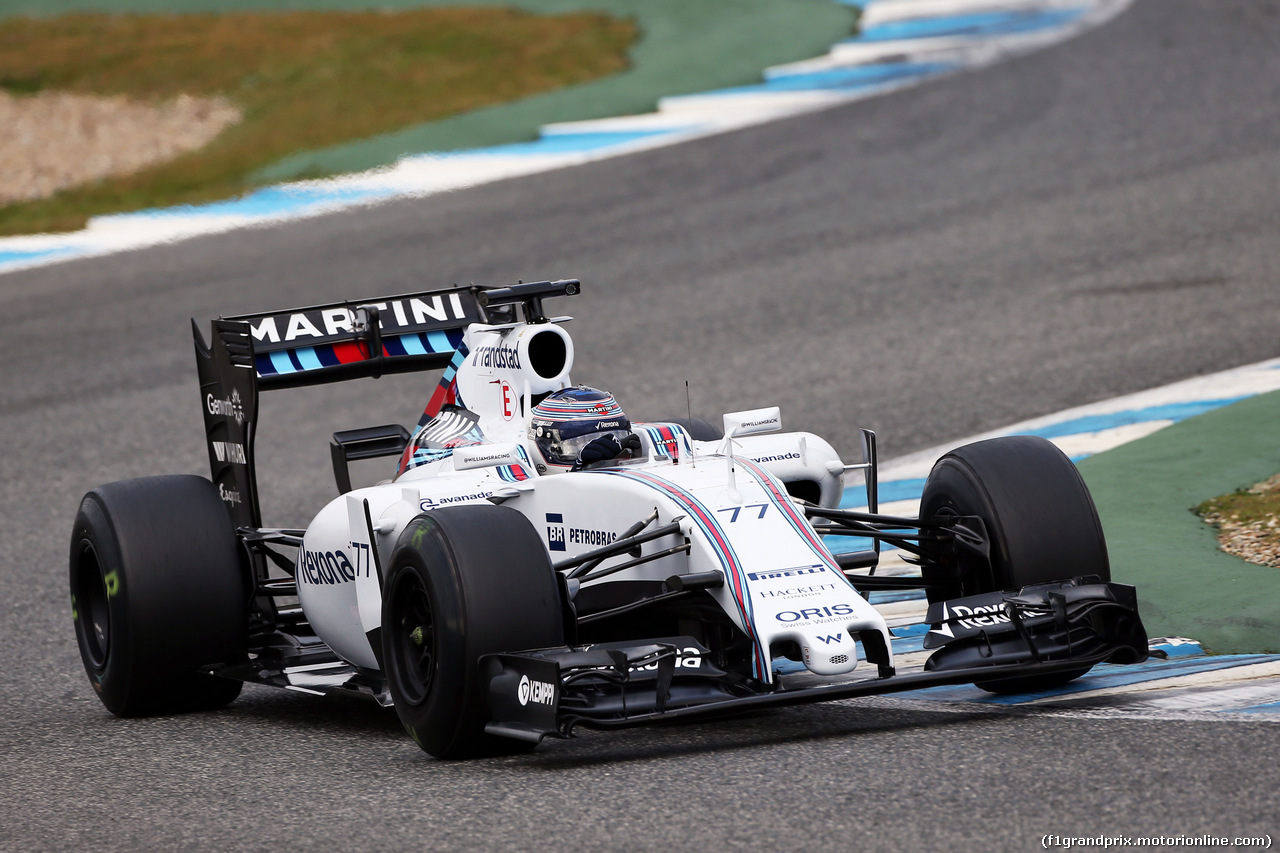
x=1255 y=540
x=55 y=140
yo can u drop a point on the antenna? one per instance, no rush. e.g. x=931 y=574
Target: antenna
x=689 y=408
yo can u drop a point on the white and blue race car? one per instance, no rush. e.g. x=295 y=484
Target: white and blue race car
x=540 y=562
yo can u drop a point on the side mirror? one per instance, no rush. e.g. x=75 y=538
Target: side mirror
x=752 y=422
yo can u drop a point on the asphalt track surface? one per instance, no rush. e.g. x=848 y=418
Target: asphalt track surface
x=1090 y=220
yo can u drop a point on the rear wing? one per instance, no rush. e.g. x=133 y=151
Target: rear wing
x=326 y=343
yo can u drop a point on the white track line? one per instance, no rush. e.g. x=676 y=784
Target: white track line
x=562 y=145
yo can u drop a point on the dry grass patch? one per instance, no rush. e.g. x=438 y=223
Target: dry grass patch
x=301 y=80
x=56 y=140
x=1248 y=522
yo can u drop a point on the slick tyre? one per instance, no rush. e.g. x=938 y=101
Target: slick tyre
x=462 y=582
x=1039 y=517
x=157 y=592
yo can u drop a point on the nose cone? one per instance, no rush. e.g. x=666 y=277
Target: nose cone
x=830 y=653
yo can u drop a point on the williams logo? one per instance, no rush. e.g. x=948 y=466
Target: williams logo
x=229 y=451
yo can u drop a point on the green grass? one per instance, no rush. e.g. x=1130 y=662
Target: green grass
x=1147 y=491
x=303 y=80
x=1248 y=521
x=1258 y=503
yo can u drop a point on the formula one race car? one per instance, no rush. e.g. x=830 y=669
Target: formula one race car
x=539 y=562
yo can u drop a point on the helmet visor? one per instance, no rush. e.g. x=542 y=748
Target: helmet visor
x=564 y=451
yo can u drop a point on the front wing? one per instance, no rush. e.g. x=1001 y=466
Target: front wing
x=1043 y=630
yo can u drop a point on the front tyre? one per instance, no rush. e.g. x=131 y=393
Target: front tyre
x=463 y=582
x=157 y=591
x=1039 y=517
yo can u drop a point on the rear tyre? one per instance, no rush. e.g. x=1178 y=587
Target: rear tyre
x=157 y=592
x=463 y=582
x=1039 y=516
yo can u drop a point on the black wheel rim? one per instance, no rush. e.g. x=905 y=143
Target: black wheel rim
x=90 y=606
x=413 y=641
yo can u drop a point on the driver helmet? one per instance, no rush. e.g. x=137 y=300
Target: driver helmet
x=567 y=421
